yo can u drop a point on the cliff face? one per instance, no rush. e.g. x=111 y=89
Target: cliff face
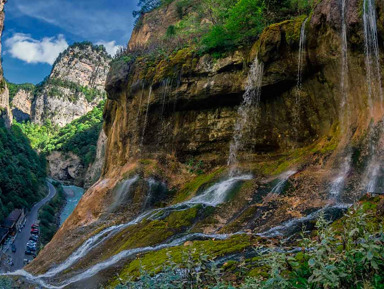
x=21 y=105
x=5 y=111
x=75 y=86
x=68 y=168
x=173 y=120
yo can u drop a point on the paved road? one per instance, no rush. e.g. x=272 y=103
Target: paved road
x=23 y=237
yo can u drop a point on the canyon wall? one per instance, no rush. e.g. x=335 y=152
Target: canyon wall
x=74 y=87
x=173 y=120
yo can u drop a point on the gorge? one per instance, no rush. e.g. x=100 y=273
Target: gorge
x=252 y=162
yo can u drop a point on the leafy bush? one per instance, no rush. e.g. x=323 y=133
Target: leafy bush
x=349 y=254
x=234 y=24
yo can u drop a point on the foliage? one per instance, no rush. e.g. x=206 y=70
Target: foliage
x=348 y=254
x=6 y=283
x=195 y=166
x=53 y=85
x=79 y=137
x=15 y=88
x=22 y=171
x=49 y=215
x=233 y=23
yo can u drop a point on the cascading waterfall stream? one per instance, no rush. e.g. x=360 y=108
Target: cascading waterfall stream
x=344 y=62
x=251 y=102
x=372 y=53
x=338 y=184
x=213 y=196
x=300 y=66
x=146 y=117
x=374 y=83
x=283 y=179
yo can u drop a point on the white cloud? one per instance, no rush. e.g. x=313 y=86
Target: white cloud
x=111 y=47
x=24 y=47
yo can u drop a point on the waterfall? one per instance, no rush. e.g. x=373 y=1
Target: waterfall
x=146 y=116
x=373 y=71
x=344 y=63
x=300 y=65
x=296 y=224
x=283 y=179
x=303 y=39
x=217 y=193
x=374 y=174
x=212 y=196
x=372 y=57
x=338 y=183
x=251 y=102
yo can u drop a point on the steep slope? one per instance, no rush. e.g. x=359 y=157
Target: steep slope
x=22 y=173
x=278 y=111
x=21 y=97
x=5 y=112
x=74 y=87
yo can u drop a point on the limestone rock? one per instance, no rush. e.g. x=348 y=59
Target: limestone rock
x=74 y=87
x=65 y=167
x=21 y=105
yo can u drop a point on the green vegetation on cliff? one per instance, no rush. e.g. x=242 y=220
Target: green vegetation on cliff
x=346 y=254
x=15 y=88
x=79 y=137
x=22 y=173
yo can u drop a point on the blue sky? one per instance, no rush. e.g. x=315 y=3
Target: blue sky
x=36 y=31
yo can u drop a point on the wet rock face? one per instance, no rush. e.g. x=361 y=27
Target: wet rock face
x=95 y=169
x=21 y=105
x=75 y=86
x=185 y=107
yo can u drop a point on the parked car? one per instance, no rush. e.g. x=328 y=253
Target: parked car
x=34 y=226
x=13 y=248
x=29 y=252
x=34 y=238
x=35 y=232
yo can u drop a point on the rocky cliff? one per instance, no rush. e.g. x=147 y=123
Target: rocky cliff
x=306 y=142
x=21 y=105
x=74 y=87
x=5 y=111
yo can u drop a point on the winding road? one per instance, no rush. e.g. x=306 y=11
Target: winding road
x=23 y=236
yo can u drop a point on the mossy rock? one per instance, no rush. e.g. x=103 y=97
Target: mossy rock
x=154 y=261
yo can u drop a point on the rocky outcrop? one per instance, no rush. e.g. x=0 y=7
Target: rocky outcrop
x=66 y=167
x=21 y=105
x=74 y=87
x=5 y=111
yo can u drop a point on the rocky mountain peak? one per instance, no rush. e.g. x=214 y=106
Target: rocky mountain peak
x=84 y=64
x=74 y=87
